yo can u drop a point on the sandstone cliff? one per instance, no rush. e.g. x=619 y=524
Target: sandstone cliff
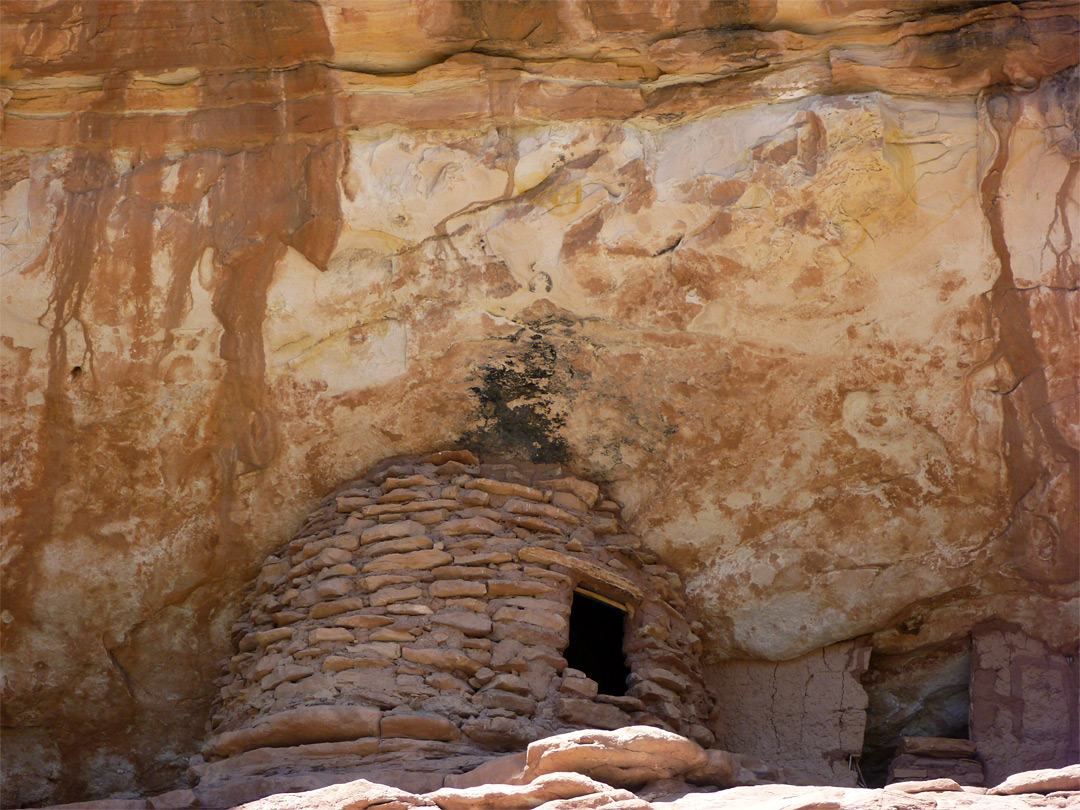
x=797 y=281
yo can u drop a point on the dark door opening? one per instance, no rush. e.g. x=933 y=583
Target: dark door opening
x=596 y=643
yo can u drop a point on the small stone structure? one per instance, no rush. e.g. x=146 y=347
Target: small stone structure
x=923 y=758
x=1024 y=708
x=436 y=600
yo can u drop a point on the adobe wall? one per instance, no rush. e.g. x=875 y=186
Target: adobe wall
x=806 y=716
x=1023 y=702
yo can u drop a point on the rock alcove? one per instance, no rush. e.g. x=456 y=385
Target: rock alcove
x=442 y=608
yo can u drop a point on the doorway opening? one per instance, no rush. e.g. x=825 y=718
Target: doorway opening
x=597 y=626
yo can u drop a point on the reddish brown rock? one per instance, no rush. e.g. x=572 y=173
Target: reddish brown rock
x=797 y=280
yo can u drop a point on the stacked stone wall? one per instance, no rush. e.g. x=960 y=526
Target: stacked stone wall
x=431 y=600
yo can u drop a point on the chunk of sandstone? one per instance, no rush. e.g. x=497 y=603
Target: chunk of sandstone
x=329 y=557
x=598 y=575
x=333 y=588
x=543 y=510
x=493 y=487
x=535 y=524
x=471 y=624
x=483 y=558
x=936 y=747
x=460 y=456
x=352 y=503
x=410 y=481
x=461 y=526
x=524 y=587
x=409 y=508
x=589 y=714
x=330 y=635
x=418 y=727
x=309 y=724
x=498 y=699
x=585 y=490
x=548 y=620
x=721 y=770
x=388 y=531
x=448 y=588
x=398 y=545
x=414 y=560
x=627 y=757
x=325 y=609
x=1042 y=781
x=387 y=596
x=553 y=790
x=442 y=658
x=340 y=663
x=565 y=500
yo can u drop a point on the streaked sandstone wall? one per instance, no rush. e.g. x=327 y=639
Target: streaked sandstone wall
x=797 y=281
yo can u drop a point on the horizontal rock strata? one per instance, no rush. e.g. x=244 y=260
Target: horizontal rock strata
x=796 y=280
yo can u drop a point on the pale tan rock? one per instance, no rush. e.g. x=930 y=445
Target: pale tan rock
x=332 y=608
x=361 y=622
x=1042 y=781
x=545 y=510
x=544 y=788
x=457 y=587
x=444 y=456
x=628 y=757
x=397 y=546
x=462 y=526
x=493 y=487
x=418 y=726
x=549 y=621
x=333 y=588
x=297 y=726
x=391 y=634
x=925 y=786
x=502 y=587
x=586 y=491
x=410 y=508
x=340 y=663
x=483 y=558
x=387 y=531
x=504 y=770
x=331 y=635
x=359 y=794
x=443 y=658
x=407 y=609
x=594 y=573
x=936 y=747
x=472 y=624
x=391 y=483
x=566 y=500
x=416 y=560
x=403 y=496
x=329 y=557
x=386 y=596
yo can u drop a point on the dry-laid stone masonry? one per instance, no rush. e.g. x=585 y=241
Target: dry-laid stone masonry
x=426 y=609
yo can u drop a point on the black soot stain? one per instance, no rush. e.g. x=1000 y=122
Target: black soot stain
x=516 y=412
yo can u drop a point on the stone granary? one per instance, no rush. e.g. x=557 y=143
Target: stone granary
x=442 y=608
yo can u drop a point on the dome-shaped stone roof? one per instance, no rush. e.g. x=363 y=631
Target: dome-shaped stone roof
x=479 y=605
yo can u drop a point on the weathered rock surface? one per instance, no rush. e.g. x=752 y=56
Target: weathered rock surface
x=571 y=790
x=796 y=281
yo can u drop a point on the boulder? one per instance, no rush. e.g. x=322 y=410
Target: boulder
x=1047 y=780
x=627 y=757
